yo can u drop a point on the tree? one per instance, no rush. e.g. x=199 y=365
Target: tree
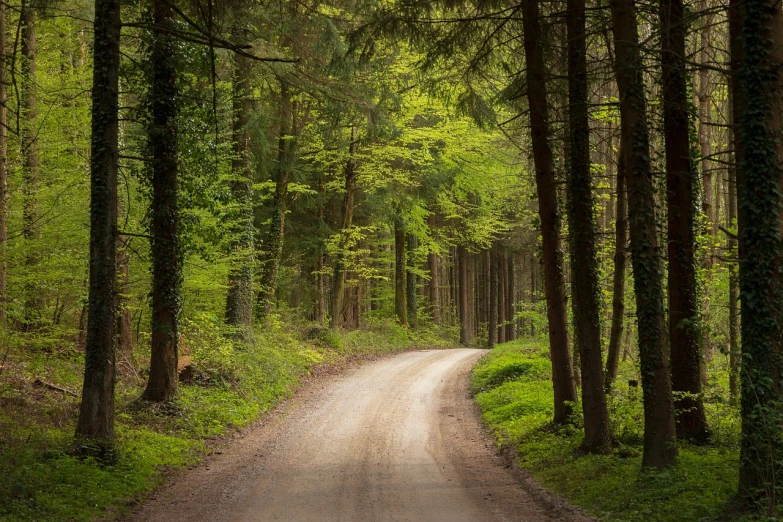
x=554 y=283
x=618 y=278
x=585 y=287
x=683 y=304
x=660 y=448
x=96 y=413
x=166 y=274
x=400 y=306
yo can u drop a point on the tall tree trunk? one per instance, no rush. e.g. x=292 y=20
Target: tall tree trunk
x=511 y=302
x=434 y=279
x=400 y=307
x=562 y=369
x=338 y=278
x=734 y=348
x=166 y=272
x=239 y=300
x=3 y=171
x=462 y=290
x=411 y=300
x=492 y=327
x=124 y=334
x=683 y=303
x=502 y=294
x=30 y=169
x=660 y=440
x=618 y=280
x=761 y=253
x=276 y=236
x=96 y=412
x=585 y=287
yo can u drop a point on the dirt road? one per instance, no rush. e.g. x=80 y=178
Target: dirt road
x=393 y=440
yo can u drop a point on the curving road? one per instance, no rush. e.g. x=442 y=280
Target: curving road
x=392 y=440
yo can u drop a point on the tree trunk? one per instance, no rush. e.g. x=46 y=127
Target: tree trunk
x=239 y=300
x=30 y=168
x=660 y=441
x=399 y=272
x=465 y=334
x=618 y=281
x=585 y=287
x=338 y=278
x=761 y=253
x=734 y=348
x=511 y=302
x=276 y=236
x=411 y=300
x=96 y=412
x=124 y=335
x=502 y=294
x=562 y=369
x=166 y=272
x=683 y=303
x=492 y=327
x=3 y=173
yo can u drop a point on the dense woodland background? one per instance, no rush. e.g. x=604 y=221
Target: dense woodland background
x=202 y=201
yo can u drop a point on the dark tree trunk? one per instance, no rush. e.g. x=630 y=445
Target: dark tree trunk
x=96 y=413
x=400 y=307
x=511 y=302
x=411 y=300
x=124 y=334
x=760 y=125
x=3 y=172
x=562 y=369
x=502 y=294
x=338 y=278
x=465 y=334
x=618 y=281
x=660 y=439
x=584 y=267
x=434 y=279
x=274 y=244
x=30 y=168
x=239 y=300
x=166 y=273
x=492 y=327
x=680 y=171
x=734 y=348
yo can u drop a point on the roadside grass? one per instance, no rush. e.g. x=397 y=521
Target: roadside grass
x=513 y=388
x=231 y=385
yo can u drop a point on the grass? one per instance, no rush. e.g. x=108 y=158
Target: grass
x=232 y=386
x=513 y=388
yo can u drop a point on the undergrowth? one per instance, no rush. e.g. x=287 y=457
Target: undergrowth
x=512 y=386
x=231 y=384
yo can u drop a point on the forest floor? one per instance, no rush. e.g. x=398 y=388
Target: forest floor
x=396 y=439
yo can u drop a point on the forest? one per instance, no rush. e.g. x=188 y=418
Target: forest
x=202 y=202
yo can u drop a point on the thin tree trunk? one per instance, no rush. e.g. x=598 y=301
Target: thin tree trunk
x=618 y=281
x=239 y=300
x=683 y=304
x=660 y=440
x=492 y=327
x=399 y=272
x=3 y=172
x=411 y=300
x=462 y=289
x=562 y=369
x=434 y=284
x=734 y=348
x=30 y=167
x=585 y=287
x=511 y=303
x=124 y=334
x=502 y=295
x=166 y=272
x=338 y=278
x=96 y=412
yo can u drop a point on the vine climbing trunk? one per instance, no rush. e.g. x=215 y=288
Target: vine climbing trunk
x=276 y=235
x=581 y=227
x=660 y=440
x=30 y=165
x=239 y=298
x=554 y=282
x=691 y=422
x=96 y=412
x=760 y=209
x=618 y=278
x=166 y=272
x=338 y=278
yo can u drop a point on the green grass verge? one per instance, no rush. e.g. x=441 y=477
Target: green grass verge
x=513 y=388
x=234 y=384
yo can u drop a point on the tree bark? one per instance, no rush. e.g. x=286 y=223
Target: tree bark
x=502 y=294
x=761 y=252
x=124 y=335
x=239 y=299
x=338 y=278
x=465 y=334
x=399 y=272
x=618 y=279
x=411 y=300
x=3 y=171
x=492 y=327
x=660 y=441
x=734 y=348
x=584 y=266
x=562 y=368
x=434 y=279
x=96 y=412
x=511 y=302
x=166 y=272
x=691 y=422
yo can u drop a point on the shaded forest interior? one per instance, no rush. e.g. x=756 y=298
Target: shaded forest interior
x=202 y=201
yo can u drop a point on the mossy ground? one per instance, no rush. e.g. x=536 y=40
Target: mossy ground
x=513 y=388
x=234 y=385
